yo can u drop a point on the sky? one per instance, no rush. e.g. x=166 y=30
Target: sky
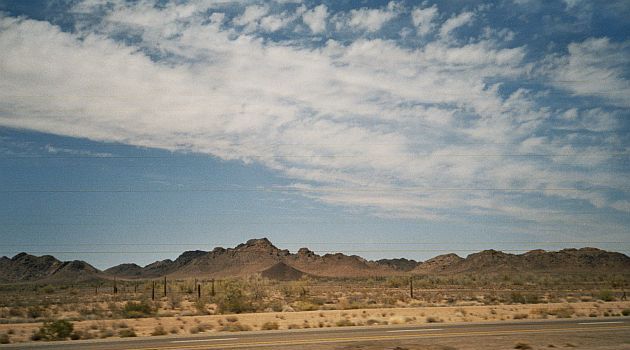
x=131 y=131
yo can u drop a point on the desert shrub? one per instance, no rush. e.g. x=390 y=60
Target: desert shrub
x=317 y=301
x=520 y=316
x=432 y=319
x=231 y=318
x=305 y=306
x=16 y=312
x=267 y=326
x=175 y=300
x=48 y=289
x=201 y=327
x=106 y=333
x=200 y=306
x=396 y=281
x=127 y=333
x=235 y=327
x=4 y=338
x=34 y=312
x=54 y=330
x=233 y=299
x=519 y=298
x=138 y=309
x=522 y=346
x=625 y=312
x=606 y=295
x=562 y=312
x=159 y=330
x=344 y=323
x=36 y=336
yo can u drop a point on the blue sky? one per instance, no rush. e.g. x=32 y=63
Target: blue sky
x=134 y=130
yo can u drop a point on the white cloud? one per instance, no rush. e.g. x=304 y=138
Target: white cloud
x=276 y=22
x=423 y=19
x=594 y=67
x=366 y=123
x=371 y=20
x=455 y=22
x=315 y=19
x=251 y=16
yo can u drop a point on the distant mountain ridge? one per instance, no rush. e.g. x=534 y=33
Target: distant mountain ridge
x=25 y=268
x=260 y=256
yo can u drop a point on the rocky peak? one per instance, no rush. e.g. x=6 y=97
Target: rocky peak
x=190 y=255
x=20 y=256
x=536 y=252
x=305 y=252
x=257 y=244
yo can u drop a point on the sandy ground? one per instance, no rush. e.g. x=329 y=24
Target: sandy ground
x=332 y=318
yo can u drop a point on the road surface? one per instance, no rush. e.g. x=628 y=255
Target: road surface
x=609 y=328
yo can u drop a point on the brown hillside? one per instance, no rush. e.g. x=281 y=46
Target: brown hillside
x=27 y=268
x=260 y=256
x=438 y=264
x=584 y=260
x=282 y=272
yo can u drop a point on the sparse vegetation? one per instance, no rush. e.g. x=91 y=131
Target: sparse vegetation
x=269 y=326
x=126 y=333
x=508 y=299
x=159 y=330
x=344 y=322
x=54 y=330
x=235 y=327
x=138 y=309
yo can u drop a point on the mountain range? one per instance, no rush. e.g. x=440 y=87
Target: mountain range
x=260 y=256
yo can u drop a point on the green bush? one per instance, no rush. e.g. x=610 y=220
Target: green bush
x=54 y=330
x=606 y=295
x=138 y=309
x=233 y=299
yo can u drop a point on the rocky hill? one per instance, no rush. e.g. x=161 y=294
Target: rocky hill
x=27 y=268
x=584 y=260
x=261 y=256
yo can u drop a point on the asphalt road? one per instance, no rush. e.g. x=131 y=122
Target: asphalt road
x=301 y=338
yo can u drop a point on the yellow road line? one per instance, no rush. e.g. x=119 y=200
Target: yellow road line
x=382 y=337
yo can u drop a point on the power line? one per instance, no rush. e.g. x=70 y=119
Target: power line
x=313 y=190
x=315 y=251
x=428 y=155
x=309 y=243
